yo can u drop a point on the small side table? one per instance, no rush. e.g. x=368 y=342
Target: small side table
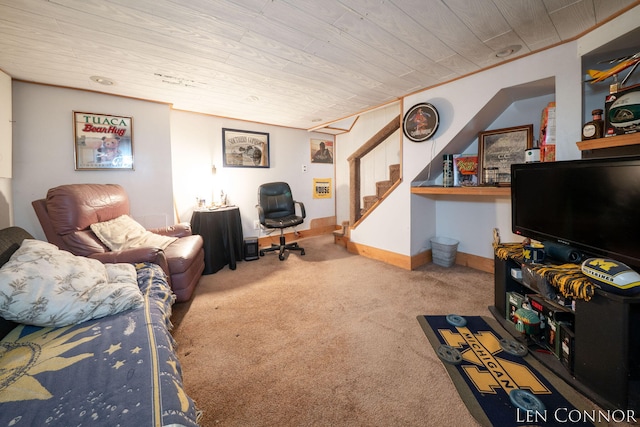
x=221 y=230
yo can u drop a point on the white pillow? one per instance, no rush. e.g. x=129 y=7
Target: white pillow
x=124 y=232
x=44 y=286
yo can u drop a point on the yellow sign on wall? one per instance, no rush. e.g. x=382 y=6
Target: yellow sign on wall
x=321 y=188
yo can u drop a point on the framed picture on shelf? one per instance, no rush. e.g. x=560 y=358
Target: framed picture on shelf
x=102 y=142
x=498 y=149
x=246 y=149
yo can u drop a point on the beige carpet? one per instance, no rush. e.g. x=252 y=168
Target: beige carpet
x=325 y=339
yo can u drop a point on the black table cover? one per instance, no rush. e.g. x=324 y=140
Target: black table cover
x=221 y=230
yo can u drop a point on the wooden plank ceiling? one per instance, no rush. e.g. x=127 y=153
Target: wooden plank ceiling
x=298 y=63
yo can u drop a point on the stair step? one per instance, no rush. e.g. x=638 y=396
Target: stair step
x=382 y=187
x=394 y=172
x=368 y=202
x=343 y=231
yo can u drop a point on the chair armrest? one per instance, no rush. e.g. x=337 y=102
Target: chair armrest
x=260 y=214
x=135 y=255
x=303 y=213
x=178 y=230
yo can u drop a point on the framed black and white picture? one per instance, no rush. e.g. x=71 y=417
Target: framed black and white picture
x=247 y=149
x=499 y=148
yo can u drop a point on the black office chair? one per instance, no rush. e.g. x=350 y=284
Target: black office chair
x=277 y=209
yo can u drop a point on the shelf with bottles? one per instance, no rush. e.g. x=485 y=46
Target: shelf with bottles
x=610 y=142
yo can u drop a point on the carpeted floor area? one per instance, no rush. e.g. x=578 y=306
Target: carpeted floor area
x=325 y=339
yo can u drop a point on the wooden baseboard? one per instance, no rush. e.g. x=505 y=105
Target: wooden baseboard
x=476 y=262
x=388 y=257
x=412 y=262
x=468 y=260
x=402 y=261
x=321 y=223
x=318 y=227
x=340 y=239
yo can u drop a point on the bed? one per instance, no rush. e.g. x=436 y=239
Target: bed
x=117 y=370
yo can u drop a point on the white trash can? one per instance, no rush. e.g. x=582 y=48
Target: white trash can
x=443 y=251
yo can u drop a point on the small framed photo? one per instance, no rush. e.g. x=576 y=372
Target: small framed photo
x=102 y=142
x=321 y=151
x=498 y=149
x=245 y=149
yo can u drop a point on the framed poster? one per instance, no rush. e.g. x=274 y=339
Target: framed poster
x=322 y=188
x=102 y=141
x=321 y=151
x=420 y=122
x=499 y=148
x=245 y=149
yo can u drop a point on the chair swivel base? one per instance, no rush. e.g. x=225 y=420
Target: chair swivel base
x=283 y=246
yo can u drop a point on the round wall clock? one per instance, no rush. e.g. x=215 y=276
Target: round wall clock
x=420 y=122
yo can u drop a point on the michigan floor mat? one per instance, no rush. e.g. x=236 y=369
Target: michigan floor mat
x=504 y=388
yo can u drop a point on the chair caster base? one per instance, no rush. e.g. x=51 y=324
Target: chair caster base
x=281 y=249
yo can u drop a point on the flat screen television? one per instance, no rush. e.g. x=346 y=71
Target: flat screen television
x=591 y=205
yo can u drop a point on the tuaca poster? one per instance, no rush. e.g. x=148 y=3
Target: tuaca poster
x=103 y=142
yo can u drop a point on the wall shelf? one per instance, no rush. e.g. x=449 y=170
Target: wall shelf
x=463 y=191
x=610 y=142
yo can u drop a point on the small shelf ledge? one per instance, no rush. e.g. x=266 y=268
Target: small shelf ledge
x=463 y=191
x=610 y=142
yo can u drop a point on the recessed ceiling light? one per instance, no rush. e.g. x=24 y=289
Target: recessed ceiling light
x=102 y=80
x=508 y=51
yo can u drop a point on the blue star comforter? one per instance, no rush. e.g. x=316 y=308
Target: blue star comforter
x=120 y=370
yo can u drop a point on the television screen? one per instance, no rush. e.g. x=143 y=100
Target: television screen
x=592 y=205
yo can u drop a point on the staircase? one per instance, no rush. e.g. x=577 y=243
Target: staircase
x=382 y=187
x=355 y=208
x=341 y=236
x=357 y=212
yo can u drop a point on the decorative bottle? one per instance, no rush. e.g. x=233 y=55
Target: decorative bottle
x=595 y=128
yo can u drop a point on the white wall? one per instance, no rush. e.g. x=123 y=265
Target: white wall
x=6 y=217
x=196 y=144
x=470 y=219
x=174 y=150
x=394 y=207
x=374 y=167
x=43 y=151
x=365 y=127
x=173 y=154
x=5 y=125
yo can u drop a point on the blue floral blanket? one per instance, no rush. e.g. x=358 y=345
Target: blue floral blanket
x=120 y=370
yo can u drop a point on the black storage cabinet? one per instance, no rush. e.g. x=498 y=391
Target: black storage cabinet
x=606 y=357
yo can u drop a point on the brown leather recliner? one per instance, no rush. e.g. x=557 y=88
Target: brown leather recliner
x=68 y=211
